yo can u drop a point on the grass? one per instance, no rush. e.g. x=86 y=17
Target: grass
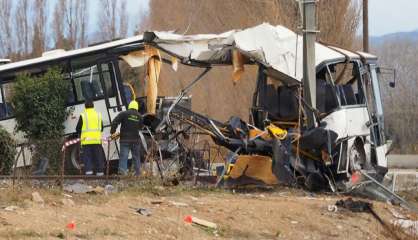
x=20 y=234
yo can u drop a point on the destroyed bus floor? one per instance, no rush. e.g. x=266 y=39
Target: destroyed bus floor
x=279 y=214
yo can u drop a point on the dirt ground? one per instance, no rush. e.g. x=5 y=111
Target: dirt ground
x=281 y=213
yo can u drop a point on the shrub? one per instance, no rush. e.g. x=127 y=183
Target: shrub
x=39 y=107
x=7 y=152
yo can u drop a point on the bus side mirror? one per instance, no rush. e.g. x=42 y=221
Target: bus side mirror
x=392 y=84
x=392 y=71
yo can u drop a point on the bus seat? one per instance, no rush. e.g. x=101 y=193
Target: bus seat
x=3 y=112
x=331 y=101
x=288 y=103
x=321 y=95
x=350 y=97
x=270 y=101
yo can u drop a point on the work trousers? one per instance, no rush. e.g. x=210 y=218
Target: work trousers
x=93 y=157
x=136 y=158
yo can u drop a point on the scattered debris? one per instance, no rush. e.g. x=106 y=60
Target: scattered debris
x=332 y=208
x=11 y=208
x=67 y=195
x=194 y=198
x=354 y=206
x=179 y=204
x=67 y=202
x=408 y=226
x=78 y=188
x=366 y=207
x=157 y=202
x=108 y=189
x=97 y=190
x=144 y=211
x=36 y=197
x=201 y=222
x=61 y=235
x=71 y=225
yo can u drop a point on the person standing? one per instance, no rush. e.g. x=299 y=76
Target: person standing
x=90 y=127
x=131 y=123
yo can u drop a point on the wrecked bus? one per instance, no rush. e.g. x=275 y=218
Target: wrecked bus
x=97 y=72
x=348 y=138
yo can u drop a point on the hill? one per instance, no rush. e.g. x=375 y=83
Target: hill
x=412 y=35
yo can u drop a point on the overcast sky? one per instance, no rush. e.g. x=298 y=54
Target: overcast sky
x=387 y=16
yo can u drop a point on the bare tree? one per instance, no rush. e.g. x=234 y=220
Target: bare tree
x=401 y=102
x=58 y=27
x=39 y=40
x=75 y=17
x=6 y=27
x=113 y=19
x=23 y=36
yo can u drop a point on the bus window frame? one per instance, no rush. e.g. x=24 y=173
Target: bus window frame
x=2 y=83
x=96 y=63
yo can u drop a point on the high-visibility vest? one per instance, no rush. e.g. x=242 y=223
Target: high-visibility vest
x=91 y=131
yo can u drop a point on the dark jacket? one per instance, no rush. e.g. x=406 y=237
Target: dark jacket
x=131 y=123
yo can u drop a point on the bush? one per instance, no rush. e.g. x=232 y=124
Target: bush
x=39 y=107
x=7 y=152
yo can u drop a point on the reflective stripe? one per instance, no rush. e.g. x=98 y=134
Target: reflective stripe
x=91 y=131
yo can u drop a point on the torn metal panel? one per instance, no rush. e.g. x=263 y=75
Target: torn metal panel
x=276 y=47
x=136 y=58
x=348 y=122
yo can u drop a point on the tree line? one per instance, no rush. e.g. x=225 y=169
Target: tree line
x=30 y=27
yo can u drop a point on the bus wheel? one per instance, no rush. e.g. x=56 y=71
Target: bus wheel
x=73 y=162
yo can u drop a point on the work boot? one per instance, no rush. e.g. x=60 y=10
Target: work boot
x=122 y=172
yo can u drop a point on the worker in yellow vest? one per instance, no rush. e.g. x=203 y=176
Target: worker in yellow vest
x=90 y=127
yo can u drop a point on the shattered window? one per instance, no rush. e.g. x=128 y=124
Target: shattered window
x=108 y=73
x=132 y=77
x=347 y=85
x=6 y=108
x=87 y=83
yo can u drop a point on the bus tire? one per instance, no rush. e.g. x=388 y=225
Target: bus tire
x=73 y=164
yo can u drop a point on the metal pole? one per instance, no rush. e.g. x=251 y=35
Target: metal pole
x=309 y=70
x=365 y=25
x=62 y=169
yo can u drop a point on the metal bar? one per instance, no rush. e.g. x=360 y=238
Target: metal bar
x=309 y=73
x=403 y=202
x=107 y=160
x=183 y=93
x=15 y=166
x=365 y=25
x=62 y=168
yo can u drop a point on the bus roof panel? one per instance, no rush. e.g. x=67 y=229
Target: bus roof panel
x=61 y=55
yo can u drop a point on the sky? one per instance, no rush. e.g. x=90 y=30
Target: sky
x=388 y=16
x=134 y=7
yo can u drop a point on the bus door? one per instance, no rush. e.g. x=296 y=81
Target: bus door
x=378 y=119
x=376 y=123
x=113 y=100
x=109 y=79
